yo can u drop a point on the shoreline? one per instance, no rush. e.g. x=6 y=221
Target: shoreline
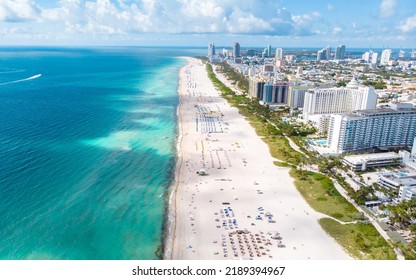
x=243 y=198
x=170 y=222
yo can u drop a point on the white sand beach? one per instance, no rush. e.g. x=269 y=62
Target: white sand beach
x=244 y=206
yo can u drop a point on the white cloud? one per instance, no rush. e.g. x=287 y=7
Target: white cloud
x=306 y=19
x=336 y=30
x=243 y=22
x=304 y=23
x=18 y=10
x=387 y=8
x=330 y=7
x=408 y=25
x=156 y=16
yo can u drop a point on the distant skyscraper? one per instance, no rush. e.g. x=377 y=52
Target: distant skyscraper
x=236 y=49
x=340 y=52
x=385 y=57
x=269 y=51
x=402 y=53
x=413 y=54
x=279 y=53
x=366 y=56
x=320 y=55
x=211 y=49
x=327 y=53
x=324 y=54
x=374 y=58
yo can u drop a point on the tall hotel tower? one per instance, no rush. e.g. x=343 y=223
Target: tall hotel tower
x=339 y=100
x=279 y=53
x=236 y=49
x=385 y=57
x=384 y=128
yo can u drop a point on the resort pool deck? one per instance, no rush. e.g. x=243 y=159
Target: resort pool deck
x=321 y=142
x=401 y=175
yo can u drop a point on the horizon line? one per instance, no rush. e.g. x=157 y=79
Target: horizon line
x=189 y=46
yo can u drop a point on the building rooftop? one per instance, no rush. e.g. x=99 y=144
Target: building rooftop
x=353 y=83
x=410 y=181
x=393 y=109
x=405 y=179
x=357 y=159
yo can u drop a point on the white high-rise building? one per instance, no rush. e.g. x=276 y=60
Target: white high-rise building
x=297 y=96
x=328 y=52
x=279 y=54
x=321 y=101
x=407 y=192
x=413 y=153
x=320 y=55
x=393 y=127
x=385 y=57
x=367 y=56
x=374 y=58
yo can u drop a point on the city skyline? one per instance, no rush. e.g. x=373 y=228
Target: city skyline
x=381 y=23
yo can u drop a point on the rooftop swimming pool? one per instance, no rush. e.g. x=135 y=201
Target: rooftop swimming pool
x=321 y=142
x=401 y=175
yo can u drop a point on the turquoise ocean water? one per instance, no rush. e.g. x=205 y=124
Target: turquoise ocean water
x=87 y=150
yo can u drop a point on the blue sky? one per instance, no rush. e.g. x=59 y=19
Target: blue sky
x=281 y=23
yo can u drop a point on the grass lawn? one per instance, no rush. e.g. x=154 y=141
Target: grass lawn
x=362 y=241
x=409 y=254
x=282 y=164
x=319 y=191
x=280 y=149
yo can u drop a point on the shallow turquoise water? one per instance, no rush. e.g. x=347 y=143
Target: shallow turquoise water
x=86 y=151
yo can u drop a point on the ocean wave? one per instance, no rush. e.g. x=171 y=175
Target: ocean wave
x=22 y=80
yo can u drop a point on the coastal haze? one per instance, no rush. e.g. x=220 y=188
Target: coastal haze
x=111 y=149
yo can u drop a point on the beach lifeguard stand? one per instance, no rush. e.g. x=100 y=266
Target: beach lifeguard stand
x=201 y=172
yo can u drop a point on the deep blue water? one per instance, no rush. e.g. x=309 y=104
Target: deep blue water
x=86 y=150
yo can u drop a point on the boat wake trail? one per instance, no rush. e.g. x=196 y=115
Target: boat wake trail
x=3 y=71
x=22 y=80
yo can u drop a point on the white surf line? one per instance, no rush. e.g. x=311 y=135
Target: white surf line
x=11 y=71
x=22 y=80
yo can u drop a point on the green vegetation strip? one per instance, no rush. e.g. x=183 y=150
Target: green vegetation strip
x=319 y=191
x=362 y=241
